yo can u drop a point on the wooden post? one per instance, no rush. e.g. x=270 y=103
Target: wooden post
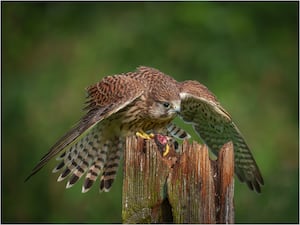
x=182 y=187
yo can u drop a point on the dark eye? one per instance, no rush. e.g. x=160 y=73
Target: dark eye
x=166 y=104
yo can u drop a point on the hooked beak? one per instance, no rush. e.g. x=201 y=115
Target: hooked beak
x=176 y=107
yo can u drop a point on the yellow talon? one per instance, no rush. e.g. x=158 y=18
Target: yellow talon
x=166 y=150
x=143 y=135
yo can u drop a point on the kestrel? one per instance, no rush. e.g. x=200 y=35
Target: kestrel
x=138 y=103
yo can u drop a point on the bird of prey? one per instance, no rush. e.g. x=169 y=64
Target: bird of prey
x=139 y=103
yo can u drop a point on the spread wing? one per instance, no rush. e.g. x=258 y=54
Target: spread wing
x=105 y=98
x=215 y=127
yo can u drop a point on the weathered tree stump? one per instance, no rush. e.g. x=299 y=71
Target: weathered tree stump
x=182 y=187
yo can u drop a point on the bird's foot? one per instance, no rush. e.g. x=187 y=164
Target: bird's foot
x=144 y=135
x=160 y=140
x=167 y=150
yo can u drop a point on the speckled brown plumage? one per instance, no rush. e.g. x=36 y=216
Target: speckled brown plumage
x=144 y=100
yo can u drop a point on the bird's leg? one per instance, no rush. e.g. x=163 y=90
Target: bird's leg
x=144 y=135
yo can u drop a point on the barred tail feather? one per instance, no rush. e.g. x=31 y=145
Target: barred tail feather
x=112 y=165
x=84 y=160
x=68 y=162
x=58 y=167
x=91 y=156
x=77 y=159
x=96 y=168
x=177 y=132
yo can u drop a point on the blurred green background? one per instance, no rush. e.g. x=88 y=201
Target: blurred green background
x=246 y=53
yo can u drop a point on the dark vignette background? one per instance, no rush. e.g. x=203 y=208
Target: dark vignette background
x=246 y=53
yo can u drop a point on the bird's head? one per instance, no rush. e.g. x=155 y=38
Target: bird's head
x=164 y=109
x=162 y=94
